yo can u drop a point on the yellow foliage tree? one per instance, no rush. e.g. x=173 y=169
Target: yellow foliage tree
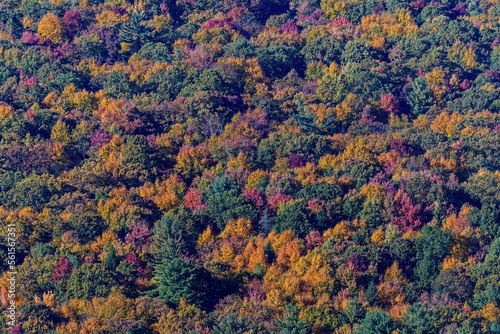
x=395 y=274
x=166 y=194
x=51 y=27
x=378 y=236
x=491 y=312
x=333 y=8
x=241 y=227
x=205 y=238
x=307 y=175
x=60 y=133
x=119 y=209
x=192 y=161
x=255 y=178
x=447 y=124
x=6 y=110
x=27 y=22
x=108 y=18
x=240 y=162
x=450 y=262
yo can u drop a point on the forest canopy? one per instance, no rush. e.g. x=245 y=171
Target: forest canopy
x=236 y=166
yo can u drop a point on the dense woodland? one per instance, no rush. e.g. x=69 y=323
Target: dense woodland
x=251 y=166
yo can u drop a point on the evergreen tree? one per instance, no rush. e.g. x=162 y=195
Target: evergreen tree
x=419 y=99
x=178 y=278
x=354 y=312
x=494 y=328
x=376 y=322
x=418 y=320
x=269 y=252
x=491 y=294
x=425 y=271
x=167 y=240
x=371 y=294
x=111 y=260
x=135 y=33
x=14 y=24
x=290 y=323
x=308 y=122
x=231 y=324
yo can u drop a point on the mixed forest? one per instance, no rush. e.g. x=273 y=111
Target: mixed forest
x=251 y=166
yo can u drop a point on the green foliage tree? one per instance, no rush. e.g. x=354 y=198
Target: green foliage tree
x=278 y=146
x=229 y=205
x=90 y=280
x=277 y=60
x=118 y=85
x=290 y=323
x=419 y=98
x=308 y=122
x=176 y=279
x=325 y=49
x=488 y=271
x=135 y=33
x=296 y=217
x=455 y=282
x=418 y=320
x=232 y=324
x=376 y=322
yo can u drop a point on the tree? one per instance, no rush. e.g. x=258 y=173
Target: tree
x=324 y=49
x=490 y=295
x=277 y=60
x=376 y=322
x=118 y=85
x=290 y=323
x=51 y=27
x=488 y=271
x=167 y=240
x=419 y=98
x=417 y=320
x=308 y=122
x=455 y=282
x=193 y=160
x=36 y=318
x=177 y=279
x=134 y=34
x=34 y=191
x=232 y=324
x=90 y=280
x=229 y=205
x=425 y=271
x=295 y=216
x=358 y=51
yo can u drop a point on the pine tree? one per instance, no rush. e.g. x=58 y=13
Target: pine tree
x=111 y=260
x=371 y=294
x=135 y=33
x=418 y=320
x=177 y=279
x=174 y=277
x=290 y=323
x=419 y=99
x=231 y=324
x=308 y=121
x=14 y=24
x=269 y=252
x=376 y=322
x=167 y=240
